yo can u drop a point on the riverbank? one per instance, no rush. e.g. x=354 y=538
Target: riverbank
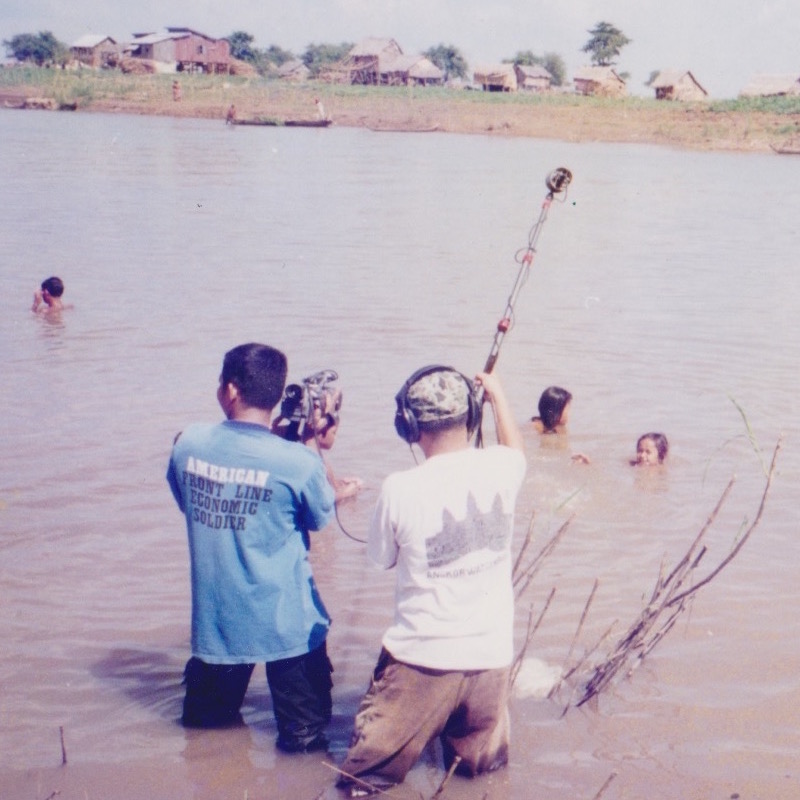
x=747 y=126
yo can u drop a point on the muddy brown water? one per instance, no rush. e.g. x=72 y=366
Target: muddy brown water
x=663 y=295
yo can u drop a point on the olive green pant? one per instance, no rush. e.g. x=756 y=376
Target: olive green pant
x=406 y=707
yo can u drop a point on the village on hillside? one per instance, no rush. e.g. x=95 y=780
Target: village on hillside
x=381 y=61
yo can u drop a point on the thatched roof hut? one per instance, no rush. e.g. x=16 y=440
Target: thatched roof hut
x=601 y=81
x=672 y=84
x=406 y=70
x=772 y=86
x=533 y=78
x=365 y=59
x=294 y=70
x=496 y=77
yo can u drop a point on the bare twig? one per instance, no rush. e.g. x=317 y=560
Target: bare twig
x=581 y=622
x=360 y=781
x=532 y=628
x=669 y=598
x=727 y=560
x=525 y=544
x=453 y=767
x=526 y=575
x=605 y=786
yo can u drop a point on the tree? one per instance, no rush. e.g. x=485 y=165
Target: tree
x=449 y=59
x=277 y=55
x=555 y=65
x=319 y=56
x=552 y=62
x=605 y=44
x=41 y=48
x=241 y=45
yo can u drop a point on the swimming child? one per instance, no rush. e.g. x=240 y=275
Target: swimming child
x=554 y=406
x=48 y=298
x=553 y=410
x=651 y=450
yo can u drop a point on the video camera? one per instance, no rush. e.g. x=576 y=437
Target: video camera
x=315 y=400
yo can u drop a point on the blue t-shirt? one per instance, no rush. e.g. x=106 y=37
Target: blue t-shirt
x=249 y=499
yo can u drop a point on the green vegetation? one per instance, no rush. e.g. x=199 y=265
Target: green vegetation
x=112 y=84
x=40 y=48
x=552 y=62
x=605 y=44
x=449 y=59
x=318 y=57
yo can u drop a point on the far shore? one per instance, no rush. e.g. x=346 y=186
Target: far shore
x=720 y=126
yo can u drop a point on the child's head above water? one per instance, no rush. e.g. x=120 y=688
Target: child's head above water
x=651 y=450
x=553 y=408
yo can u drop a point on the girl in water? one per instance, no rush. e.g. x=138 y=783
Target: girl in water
x=553 y=410
x=554 y=405
x=651 y=450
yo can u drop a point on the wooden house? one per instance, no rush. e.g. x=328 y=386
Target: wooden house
x=157 y=48
x=600 y=81
x=364 y=62
x=533 y=78
x=672 y=84
x=772 y=86
x=182 y=49
x=403 y=70
x=496 y=77
x=95 y=50
x=196 y=52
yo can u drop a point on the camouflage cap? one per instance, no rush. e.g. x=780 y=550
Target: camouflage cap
x=439 y=395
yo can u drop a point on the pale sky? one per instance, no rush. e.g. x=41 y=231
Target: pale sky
x=723 y=42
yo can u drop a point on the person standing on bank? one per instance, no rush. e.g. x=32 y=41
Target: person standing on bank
x=250 y=499
x=446 y=526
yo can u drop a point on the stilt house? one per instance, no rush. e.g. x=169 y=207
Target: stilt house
x=600 y=81
x=95 y=50
x=672 y=84
x=496 y=77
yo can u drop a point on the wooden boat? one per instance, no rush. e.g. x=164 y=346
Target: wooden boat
x=307 y=123
x=787 y=150
x=400 y=129
x=289 y=123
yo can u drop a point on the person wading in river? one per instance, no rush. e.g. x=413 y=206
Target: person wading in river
x=446 y=525
x=250 y=499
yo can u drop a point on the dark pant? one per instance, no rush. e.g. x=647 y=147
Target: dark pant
x=300 y=689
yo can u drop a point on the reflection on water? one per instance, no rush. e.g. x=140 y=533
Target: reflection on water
x=663 y=296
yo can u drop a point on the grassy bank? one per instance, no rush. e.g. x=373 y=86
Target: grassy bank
x=743 y=125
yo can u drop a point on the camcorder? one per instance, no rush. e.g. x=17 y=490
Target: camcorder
x=316 y=401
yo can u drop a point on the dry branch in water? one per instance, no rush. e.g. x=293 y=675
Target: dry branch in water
x=669 y=598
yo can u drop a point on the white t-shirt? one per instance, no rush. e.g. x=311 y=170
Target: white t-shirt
x=446 y=525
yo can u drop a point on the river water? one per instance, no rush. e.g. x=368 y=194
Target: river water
x=664 y=295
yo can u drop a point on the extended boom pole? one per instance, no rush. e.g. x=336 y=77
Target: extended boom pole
x=557 y=181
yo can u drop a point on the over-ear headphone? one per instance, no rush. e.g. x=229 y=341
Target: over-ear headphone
x=405 y=422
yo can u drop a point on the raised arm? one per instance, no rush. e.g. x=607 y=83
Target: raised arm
x=508 y=432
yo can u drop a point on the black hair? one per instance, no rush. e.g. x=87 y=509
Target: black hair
x=53 y=286
x=258 y=371
x=551 y=406
x=659 y=440
x=440 y=425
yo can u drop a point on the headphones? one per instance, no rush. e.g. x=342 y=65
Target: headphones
x=405 y=423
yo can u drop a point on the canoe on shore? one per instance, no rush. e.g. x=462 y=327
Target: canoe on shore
x=793 y=150
x=289 y=123
x=401 y=129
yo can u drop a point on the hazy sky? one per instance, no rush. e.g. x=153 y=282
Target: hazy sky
x=723 y=42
